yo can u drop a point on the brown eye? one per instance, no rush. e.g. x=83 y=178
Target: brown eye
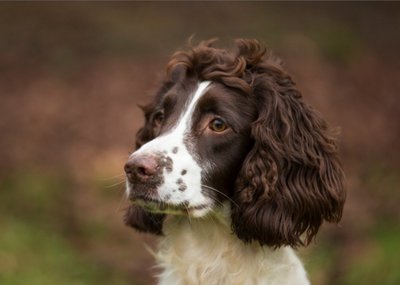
x=159 y=117
x=218 y=125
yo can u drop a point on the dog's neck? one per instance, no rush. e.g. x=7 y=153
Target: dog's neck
x=205 y=251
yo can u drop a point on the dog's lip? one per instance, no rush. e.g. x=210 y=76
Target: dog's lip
x=159 y=206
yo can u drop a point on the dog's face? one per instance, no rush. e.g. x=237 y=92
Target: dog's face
x=232 y=127
x=201 y=135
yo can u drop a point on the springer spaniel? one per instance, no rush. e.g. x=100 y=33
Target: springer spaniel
x=232 y=169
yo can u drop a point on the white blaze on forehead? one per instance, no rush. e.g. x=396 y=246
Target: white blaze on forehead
x=176 y=134
x=182 y=160
x=185 y=120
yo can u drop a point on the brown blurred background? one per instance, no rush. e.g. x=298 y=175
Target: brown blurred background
x=72 y=74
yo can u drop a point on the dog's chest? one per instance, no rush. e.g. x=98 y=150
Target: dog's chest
x=205 y=252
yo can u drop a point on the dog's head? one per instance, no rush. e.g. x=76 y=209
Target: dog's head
x=232 y=127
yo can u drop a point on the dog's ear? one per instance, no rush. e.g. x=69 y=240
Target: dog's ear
x=291 y=180
x=143 y=221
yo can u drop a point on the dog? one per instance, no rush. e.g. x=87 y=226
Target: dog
x=232 y=169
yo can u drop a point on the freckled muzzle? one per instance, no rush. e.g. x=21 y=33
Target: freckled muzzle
x=145 y=172
x=163 y=175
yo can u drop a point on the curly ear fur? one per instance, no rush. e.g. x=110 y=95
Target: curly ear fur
x=291 y=180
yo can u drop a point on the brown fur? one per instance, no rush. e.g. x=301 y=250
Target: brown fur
x=291 y=179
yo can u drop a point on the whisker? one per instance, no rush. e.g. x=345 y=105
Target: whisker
x=123 y=199
x=217 y=202
x=113 y=177
x=115 y=184
x=187 y=210
x=220 y=192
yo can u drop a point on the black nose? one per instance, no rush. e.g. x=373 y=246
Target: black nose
x=141 y=167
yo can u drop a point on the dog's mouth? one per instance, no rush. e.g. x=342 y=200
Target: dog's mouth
x=161 y=207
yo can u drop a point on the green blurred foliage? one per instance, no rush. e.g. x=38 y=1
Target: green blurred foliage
x=35 y=246
x=379 y=264
x=71 y=75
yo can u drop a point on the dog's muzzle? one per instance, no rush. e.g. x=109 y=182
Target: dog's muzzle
x=141 y=168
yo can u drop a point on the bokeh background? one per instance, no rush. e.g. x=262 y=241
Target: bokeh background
x=72 y=74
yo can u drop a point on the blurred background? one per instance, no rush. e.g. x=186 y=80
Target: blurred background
x=72 y=74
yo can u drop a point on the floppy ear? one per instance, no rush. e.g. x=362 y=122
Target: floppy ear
x=291 y=180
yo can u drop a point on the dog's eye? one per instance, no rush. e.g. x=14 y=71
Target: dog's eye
x=217 y=125
x=159 y=117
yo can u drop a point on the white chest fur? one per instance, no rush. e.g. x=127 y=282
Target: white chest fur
x=204 y=251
